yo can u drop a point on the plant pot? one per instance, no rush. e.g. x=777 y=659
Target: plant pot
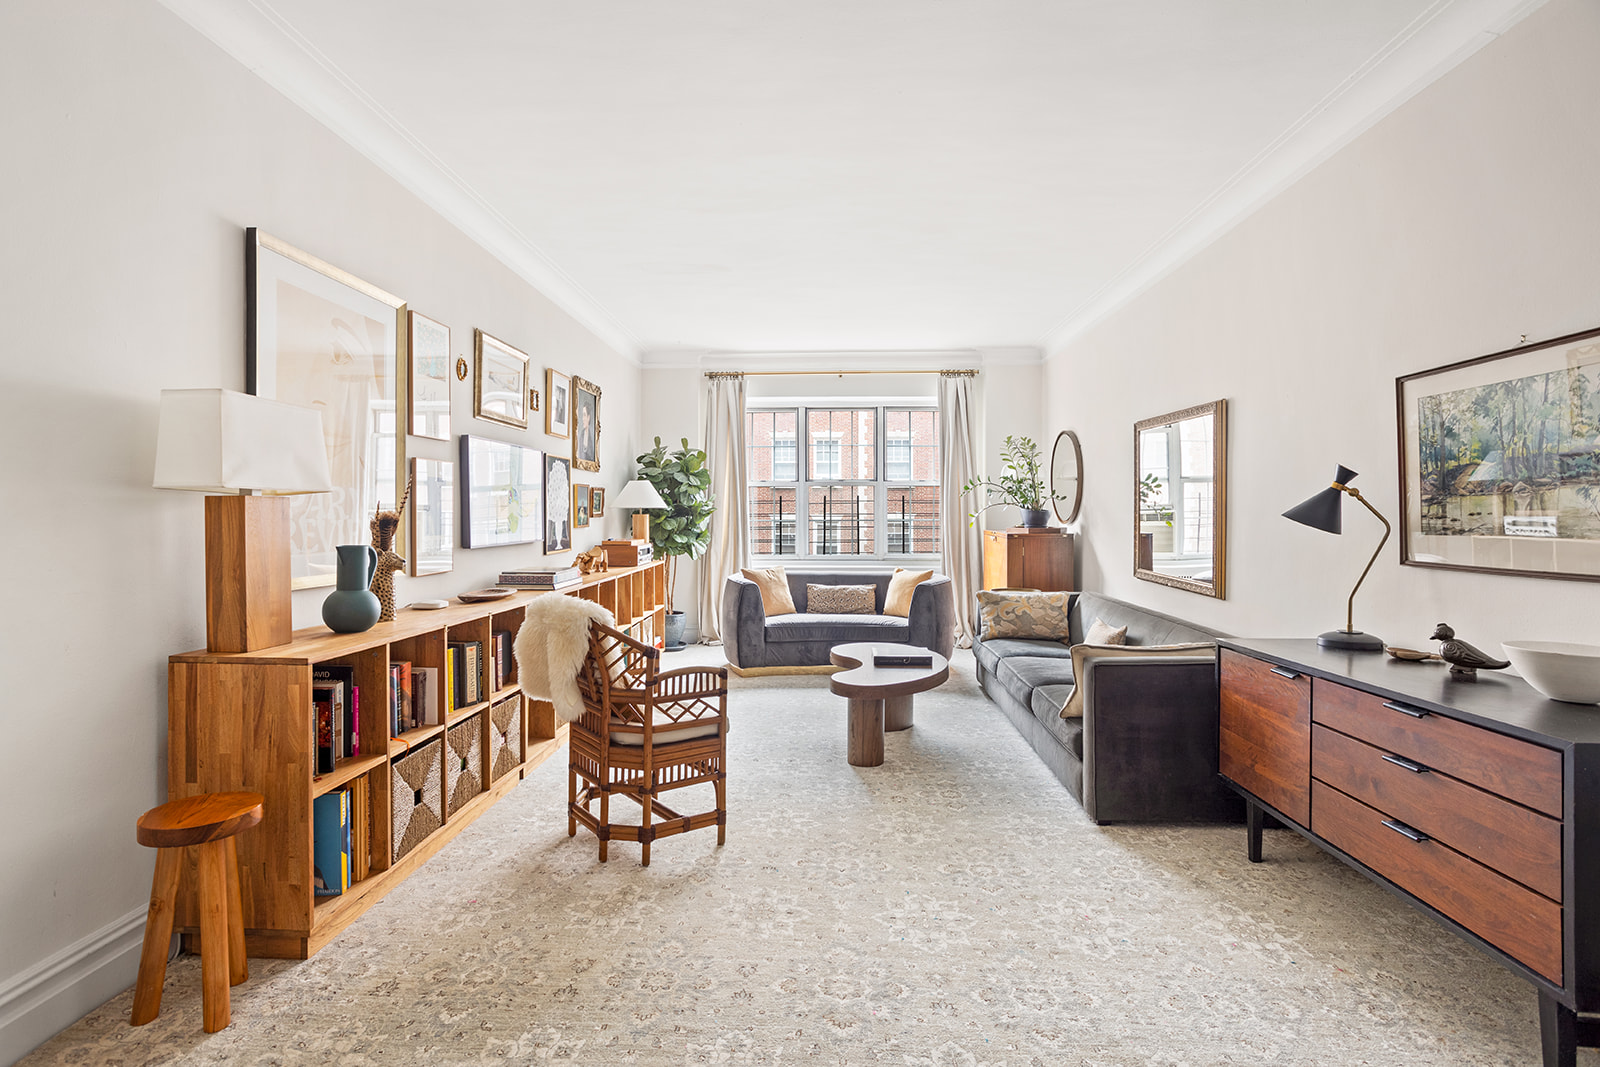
x=1147 y=552
x=674 y=630
x=1032 y=517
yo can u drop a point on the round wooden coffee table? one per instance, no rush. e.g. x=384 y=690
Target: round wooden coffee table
x=880 y=697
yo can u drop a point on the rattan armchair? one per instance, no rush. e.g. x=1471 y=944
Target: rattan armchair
x=642 y=733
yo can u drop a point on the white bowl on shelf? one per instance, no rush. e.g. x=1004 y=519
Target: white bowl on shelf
x=1560 y=670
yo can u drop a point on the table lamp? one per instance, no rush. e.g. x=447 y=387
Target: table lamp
x=642 y=495
x=1323 y=512
x=219 y=441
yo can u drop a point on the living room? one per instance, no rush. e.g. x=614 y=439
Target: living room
x=1435 y=208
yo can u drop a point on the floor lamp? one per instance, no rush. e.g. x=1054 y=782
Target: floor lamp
x=1323 y=512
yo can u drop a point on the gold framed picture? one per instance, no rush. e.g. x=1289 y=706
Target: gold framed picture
x=428 y=384
x=500 y=386
x=585 y=425
x=597 y=502
x=581 y=502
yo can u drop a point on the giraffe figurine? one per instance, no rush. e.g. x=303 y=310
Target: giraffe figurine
x=383 y=525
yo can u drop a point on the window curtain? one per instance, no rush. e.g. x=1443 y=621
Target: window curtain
x=724 y=445
x=959 y=539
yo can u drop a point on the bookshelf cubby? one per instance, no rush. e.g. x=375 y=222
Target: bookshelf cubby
x=244 y=721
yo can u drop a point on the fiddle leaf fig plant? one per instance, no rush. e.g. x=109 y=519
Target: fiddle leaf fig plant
x=1021 y=482
x=1149 y=495
x=684 y=482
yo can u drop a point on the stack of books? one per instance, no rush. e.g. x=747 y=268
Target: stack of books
x=541 y=577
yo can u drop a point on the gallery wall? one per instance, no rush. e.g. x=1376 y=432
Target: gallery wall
x=1460 y=223
x=135 y=154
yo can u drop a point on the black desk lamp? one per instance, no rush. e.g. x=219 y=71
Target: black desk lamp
x=1322 y=512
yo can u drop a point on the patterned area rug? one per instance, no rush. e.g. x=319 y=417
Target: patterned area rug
x=952 y=908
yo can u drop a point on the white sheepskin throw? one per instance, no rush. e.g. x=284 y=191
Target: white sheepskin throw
x=550 y=648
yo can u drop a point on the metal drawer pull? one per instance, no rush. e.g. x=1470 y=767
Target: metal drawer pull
x=1415 y=713
x=1281 y=673
x=1405 y=831
x=1411 y=765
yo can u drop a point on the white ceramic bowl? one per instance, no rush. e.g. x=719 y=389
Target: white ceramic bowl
x=1558 y=669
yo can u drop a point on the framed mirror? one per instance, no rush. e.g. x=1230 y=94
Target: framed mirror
x=1066 y=477
x=1179 y=498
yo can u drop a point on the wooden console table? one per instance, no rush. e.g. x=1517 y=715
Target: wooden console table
x=1028 y=557
x=1476 y=801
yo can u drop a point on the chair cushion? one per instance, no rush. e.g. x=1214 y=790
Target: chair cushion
x=991 y=651
x=809 y=626
x=839 y=599
x=774 y=587
x=1020 y=675
x=901 y=588
x=664 y=733
x=1073 y=708
x=1026 y=615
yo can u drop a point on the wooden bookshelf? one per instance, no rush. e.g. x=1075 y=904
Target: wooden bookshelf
x=244 y=721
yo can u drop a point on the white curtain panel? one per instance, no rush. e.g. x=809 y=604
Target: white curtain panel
x=724 y=445
x=959 y=538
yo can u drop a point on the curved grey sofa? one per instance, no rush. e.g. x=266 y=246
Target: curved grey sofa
x=751 y=640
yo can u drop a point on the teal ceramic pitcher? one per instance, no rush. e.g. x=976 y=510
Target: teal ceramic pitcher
x=353 y=607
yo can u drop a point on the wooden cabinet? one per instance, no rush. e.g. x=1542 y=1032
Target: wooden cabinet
x=1478 y=802
x=1027 y=558
x=245 y=721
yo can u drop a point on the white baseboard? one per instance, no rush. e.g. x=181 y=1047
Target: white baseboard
x=55 y=993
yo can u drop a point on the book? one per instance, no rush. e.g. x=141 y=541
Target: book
x=323 y=713
x=332 y=694
x=425 y=695
x=895 y=658
x=405 y=714
x=452 y=671
x=540 y=577
x=502 y=642
x=330 y=843
x=360 y=829
x=344 y=676
x=468 y=673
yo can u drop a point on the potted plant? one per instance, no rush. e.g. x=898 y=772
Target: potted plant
x=1152 y=513
x=1020 y=484
x=684 y=527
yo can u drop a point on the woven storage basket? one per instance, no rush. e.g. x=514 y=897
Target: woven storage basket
x=505 y=736
x=416 y=793
x=463 y=767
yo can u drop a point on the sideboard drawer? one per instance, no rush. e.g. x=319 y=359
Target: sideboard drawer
x=1519 y=843
x=1517 y=770
x=1513 y=918
x=1264 y=732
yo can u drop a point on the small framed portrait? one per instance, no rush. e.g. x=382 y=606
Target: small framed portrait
x=500 y=389
x=585 y=425
x=558 y=397
x=557 y=504
x=580 y=505
x=597 y=502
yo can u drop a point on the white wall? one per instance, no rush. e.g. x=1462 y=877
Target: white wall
x=1464 y=220
x=135 y=154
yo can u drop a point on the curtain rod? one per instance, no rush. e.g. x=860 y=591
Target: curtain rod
x=839 y=373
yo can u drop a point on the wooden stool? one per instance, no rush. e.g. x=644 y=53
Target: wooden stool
x=209 y=822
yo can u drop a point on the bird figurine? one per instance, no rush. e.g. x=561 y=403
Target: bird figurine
x=1463 y=658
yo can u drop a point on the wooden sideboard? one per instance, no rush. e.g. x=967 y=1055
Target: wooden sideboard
x=1028 y=558
x=1476 y=801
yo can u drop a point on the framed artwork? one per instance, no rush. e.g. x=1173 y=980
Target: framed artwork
x=500 y=387
x=585 y=425
x=558 y=391
x=1500 y=461
x=580 y=505
x=597 y=502
x=502 y=493
x=428 y=384
x=557 y=503
x=323 y=338
x=432 y=517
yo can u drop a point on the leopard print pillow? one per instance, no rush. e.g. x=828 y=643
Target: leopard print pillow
x=839 y=599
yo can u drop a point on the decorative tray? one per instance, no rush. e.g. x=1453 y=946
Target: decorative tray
x=479 y=596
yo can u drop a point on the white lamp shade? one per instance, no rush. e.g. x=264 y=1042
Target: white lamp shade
x=639 y=494
x=220 y=441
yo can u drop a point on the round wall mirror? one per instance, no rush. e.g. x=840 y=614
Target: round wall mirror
x=1066 y=476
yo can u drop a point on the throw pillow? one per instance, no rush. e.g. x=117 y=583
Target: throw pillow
x=1026 y=615
x=774 y=586
x=1103 y=633
x=1073 y=709
x=904 y=583
x=840 y=599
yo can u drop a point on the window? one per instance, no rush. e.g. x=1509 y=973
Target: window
x=838 y=502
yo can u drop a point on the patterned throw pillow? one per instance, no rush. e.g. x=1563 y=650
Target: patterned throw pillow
x=1103 y=633
x=1028 y=615
x=839 y=599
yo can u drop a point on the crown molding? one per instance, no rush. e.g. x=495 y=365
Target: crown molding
x=271 y=48
x=1435 y=42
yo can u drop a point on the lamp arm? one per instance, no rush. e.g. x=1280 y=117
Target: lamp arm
x=1350 y=605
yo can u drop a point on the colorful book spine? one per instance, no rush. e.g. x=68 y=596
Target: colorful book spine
x=323 y=711
x=407 y=711
x=330 y=844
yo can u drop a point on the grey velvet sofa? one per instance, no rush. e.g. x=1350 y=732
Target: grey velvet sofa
x=1145 y=749
x=753 y=641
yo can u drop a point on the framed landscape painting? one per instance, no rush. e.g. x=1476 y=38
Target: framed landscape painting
x=1500 y=461
x=502 y=493
x=322 y=338
x=500 y=389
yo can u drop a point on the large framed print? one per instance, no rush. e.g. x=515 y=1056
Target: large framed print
x=433 y=525
x=500 y=390
x=1500 y=461
x=502 y=493
x=428 y=384
x=322 y=338
x=585 y=424
x=557 y=504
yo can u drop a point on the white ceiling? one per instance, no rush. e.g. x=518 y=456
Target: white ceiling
x=864 y=175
